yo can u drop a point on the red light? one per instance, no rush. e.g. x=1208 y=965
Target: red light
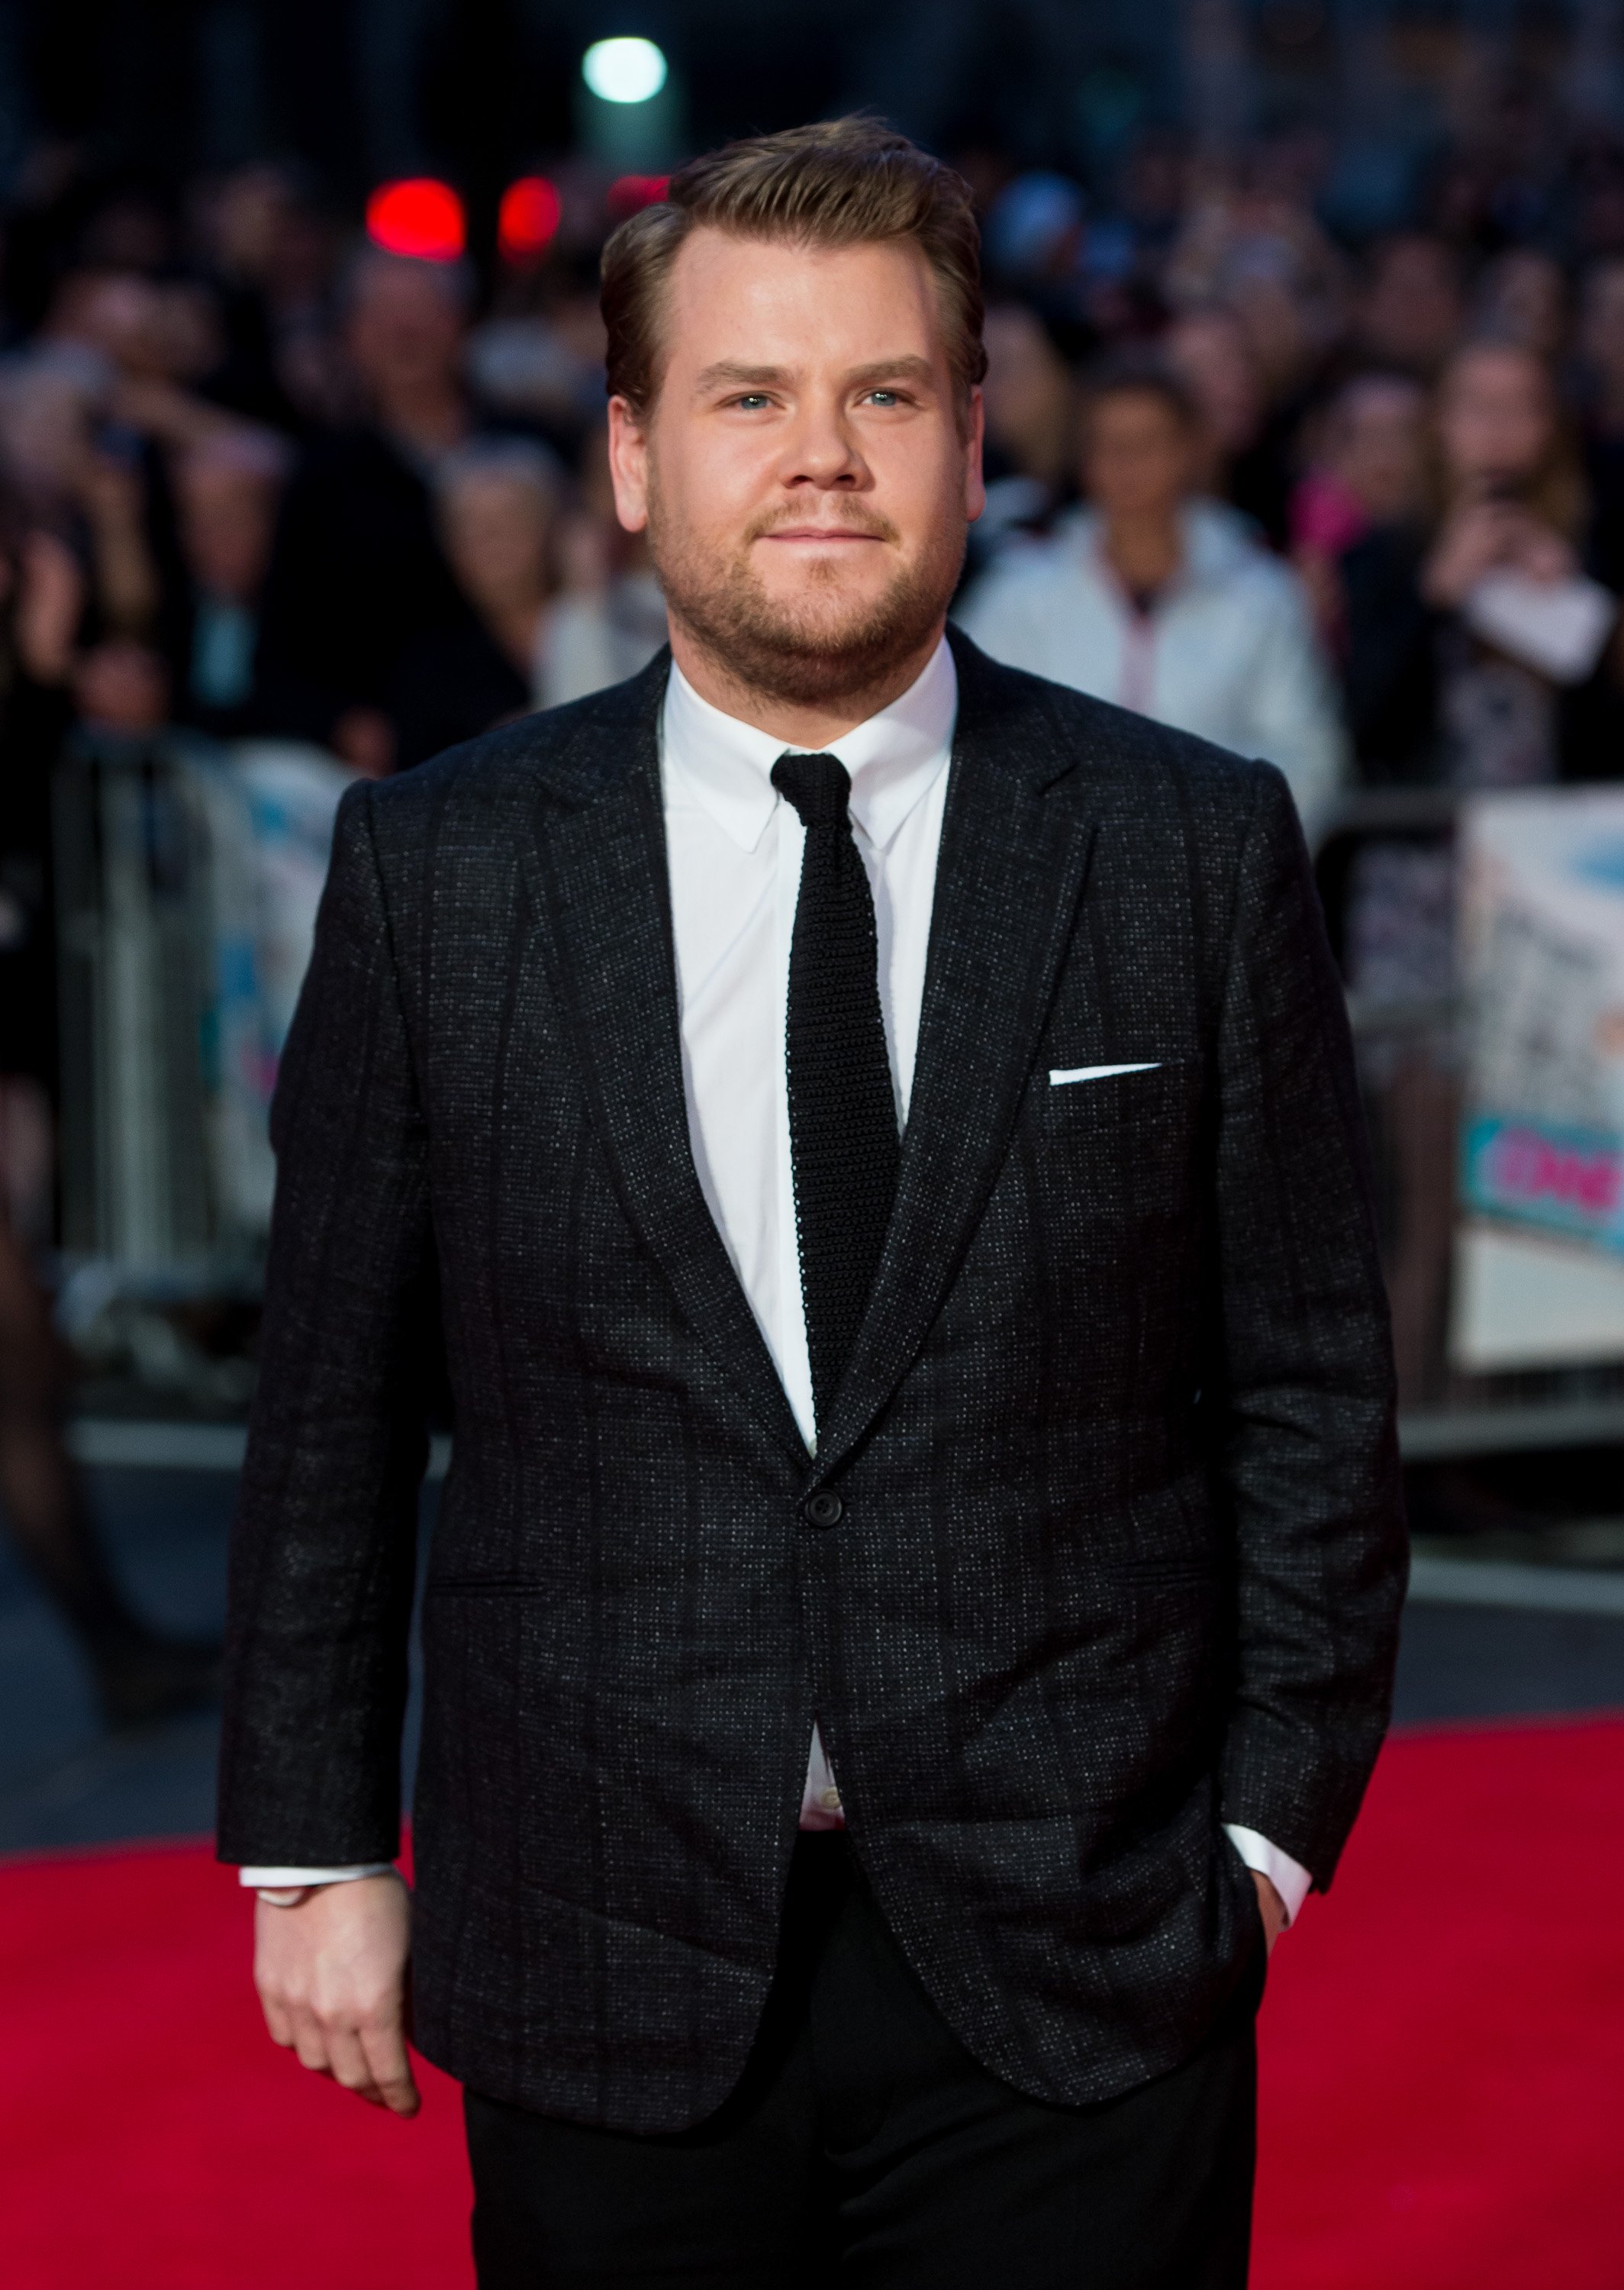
x=417 y=217
x=628 y=193
x=527 y=218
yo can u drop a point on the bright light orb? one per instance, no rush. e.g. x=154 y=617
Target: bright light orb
x=417 y=217
x=624 y=71
x=528 y=219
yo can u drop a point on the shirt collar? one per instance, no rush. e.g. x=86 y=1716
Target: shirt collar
x=894 y=759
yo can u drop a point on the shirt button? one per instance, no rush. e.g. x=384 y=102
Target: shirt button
x=824 y=1508
x=829 y=1800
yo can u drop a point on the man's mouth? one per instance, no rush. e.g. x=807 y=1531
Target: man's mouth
x=820 y=535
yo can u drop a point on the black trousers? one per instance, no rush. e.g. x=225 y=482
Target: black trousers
x=864 y=2145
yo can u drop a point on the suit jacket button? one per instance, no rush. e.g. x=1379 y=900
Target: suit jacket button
x=824 y=1508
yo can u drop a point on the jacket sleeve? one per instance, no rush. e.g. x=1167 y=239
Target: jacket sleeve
x=323 y=1547
x=1303 y=1402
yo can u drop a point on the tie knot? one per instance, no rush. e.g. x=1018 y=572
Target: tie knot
x=818 y=787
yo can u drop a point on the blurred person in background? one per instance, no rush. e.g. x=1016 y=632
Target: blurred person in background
x=1445 y=690
x=101 y=490
x=538 y=359
x=140 y=1674
x=42 y=604
x=227 y=486
x=1411 y=306
x=1368 y=468
x=1256 y=249
x=1601 y=360
x=609 y=618
x=271 y=251
x=358 y=575
x=1031 y=447
x=160 y=339
x=497 y=504
x=1435 y=691
x=1244 y=453
x=1522 y=297
x=1159 y=600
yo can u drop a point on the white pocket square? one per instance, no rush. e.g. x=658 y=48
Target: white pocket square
x=1061 y=1076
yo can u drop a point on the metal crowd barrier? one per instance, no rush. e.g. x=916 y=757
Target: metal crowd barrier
x=165 y=1181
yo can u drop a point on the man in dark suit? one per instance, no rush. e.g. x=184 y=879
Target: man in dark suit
x=913 y=1606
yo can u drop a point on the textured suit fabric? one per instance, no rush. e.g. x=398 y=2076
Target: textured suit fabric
x=862 y=2145
x=1120 y=1554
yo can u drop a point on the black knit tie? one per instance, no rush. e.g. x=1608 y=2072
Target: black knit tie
x=842 y=1113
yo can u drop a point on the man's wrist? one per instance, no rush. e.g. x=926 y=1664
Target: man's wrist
x=1290 y=1881
x=287 y=1887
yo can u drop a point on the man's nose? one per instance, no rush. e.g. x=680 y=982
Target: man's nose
x=823 y=452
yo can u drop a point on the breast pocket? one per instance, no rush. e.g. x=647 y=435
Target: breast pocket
x=1114 y=1100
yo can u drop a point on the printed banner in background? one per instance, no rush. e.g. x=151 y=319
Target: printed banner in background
x=1541 y=1264
x=270 y=806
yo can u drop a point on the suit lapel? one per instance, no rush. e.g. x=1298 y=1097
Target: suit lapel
x=1008 y=880
x=600 y=874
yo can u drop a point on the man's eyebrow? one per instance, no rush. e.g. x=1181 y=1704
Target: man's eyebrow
x=909 y=368
x=729 y=373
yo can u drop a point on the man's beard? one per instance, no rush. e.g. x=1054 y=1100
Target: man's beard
x=819 y=646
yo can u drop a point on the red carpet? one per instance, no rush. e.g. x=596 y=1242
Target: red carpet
x=1443 y=2065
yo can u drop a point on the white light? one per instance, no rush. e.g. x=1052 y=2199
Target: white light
x=624 y=71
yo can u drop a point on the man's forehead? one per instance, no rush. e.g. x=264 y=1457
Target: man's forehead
x=772 y=301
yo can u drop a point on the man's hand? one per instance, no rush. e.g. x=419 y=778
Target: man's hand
x=332 y=1977
x=1271 y=1908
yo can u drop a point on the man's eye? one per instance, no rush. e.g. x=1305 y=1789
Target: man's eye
x=752 y=400
x=884 y=397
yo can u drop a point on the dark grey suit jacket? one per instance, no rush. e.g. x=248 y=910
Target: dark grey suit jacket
x=1121 y=1555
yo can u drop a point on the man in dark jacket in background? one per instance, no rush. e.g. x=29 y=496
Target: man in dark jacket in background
x=358 y=575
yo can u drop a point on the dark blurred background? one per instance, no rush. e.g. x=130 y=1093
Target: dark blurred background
x=1306 y=431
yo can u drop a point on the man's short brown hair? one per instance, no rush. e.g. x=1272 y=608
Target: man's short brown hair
x=844 y=182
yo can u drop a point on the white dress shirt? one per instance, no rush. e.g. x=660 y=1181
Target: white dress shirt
x=734 y=852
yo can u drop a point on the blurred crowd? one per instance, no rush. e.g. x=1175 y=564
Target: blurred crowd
x=1358 y=507
x=1352 y=503
x=1355 y=505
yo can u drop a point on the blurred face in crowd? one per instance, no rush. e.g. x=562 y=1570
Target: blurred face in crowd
x=227 y=516
x=1138 y=456
x=405 y=329
x=1411 y=312
x=120 y=685
x=263 y=233
x=497 y=531
x=1208 y=351
x=46 y=415
x=1377 y=447
x=808 y=469
x=1526 y=300
x=1030 y=407
x=1496 y=419
x=1274 y=325
x=151 y=330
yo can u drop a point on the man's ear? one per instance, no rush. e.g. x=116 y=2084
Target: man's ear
x=629 y=465
x=975 y=433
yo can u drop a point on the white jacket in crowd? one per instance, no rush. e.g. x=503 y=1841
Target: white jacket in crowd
x=1227 y=650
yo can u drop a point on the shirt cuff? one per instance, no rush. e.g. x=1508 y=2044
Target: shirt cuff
x=288 y=1880
x=1289 y=1877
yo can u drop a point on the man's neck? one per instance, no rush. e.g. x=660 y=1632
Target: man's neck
x=811 y=725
